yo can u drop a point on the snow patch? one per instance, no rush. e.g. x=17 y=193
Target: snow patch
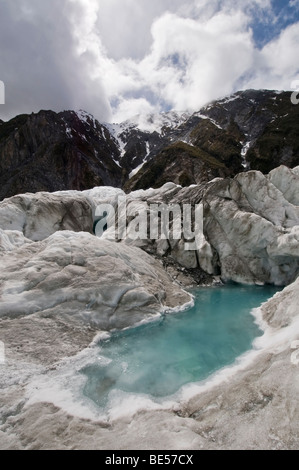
x=229 y=99
x=147 y=123
x=86 y=118
x=244 y=151
x=156 y=122
x=68 y=132
x=147 y=148
x=116 y=130
x=135 y=171
x=203 y=116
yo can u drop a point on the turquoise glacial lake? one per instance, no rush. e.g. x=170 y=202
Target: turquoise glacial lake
x=158 y=358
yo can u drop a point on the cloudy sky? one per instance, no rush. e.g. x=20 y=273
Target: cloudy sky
x=118 y=58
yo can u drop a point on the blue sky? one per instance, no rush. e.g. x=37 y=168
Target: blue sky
x=266 y=28
x=119 y=58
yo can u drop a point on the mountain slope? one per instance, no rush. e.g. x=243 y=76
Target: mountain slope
x=256 y=130
x=49 y=152
x=180 y=163
x=268 y=123
x=252 y=129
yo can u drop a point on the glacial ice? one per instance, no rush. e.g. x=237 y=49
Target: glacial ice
x=60 y=285
x=80 y=276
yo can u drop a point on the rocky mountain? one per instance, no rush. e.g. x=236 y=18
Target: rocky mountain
x=71 y=150
x=50 y=152
x=249 y=130
x=141 y=138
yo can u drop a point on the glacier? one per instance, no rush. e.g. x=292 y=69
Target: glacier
x=61 y=287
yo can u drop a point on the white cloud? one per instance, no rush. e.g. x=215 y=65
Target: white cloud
x=133 y=107
x=191 y=62
x=125 y=25
x=116 y=58
x=294 y=3
x=40 y=63
x=277 y=64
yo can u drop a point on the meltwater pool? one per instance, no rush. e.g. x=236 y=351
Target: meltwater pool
x=158 y=358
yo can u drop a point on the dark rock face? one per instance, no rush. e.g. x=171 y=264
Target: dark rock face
x=266 y=119
x=255 y=130
x=180 y=163
x=49 y=152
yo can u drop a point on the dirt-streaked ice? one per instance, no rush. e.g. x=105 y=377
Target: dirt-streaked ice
x=61 y=286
